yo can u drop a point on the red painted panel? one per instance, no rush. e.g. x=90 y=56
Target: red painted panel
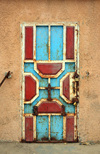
x=28 y=42
x=69 y=42
x=66 y=87
x=30 y=88
x=49 y=107
x=29 y=129
x=49 y=68
x=70 y=128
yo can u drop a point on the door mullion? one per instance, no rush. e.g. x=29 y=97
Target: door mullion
x=49 y=126
x=49 y=43
x=48 y=80
x=64 y=127
x=64 y=43
x=34 y=127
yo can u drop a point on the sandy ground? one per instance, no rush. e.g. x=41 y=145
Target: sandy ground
x=33 y=148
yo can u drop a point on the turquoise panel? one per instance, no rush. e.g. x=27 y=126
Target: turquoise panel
x=57 y=127
x=69 y=108
x=41 y=127
x=69 y=67
x=29 y=68
x=28 y=108
x=55 y=93
x=43 y=82
x=56 y=43
x=41 y=42
x=43 y=94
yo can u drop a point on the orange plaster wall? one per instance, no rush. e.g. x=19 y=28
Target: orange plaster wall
x=87 y=14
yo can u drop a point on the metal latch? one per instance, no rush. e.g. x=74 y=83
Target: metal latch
x=76 y=79
x=75 y=86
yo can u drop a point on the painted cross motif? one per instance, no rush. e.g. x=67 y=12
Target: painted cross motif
x=49 y=56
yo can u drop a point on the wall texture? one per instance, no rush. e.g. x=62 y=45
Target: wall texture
x=87 y=14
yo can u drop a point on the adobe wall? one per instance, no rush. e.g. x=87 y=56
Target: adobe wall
x=87 y=14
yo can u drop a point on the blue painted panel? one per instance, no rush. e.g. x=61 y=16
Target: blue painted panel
x=56 y=43
x=41 y=127
x=43 y=82
x=29 y=68
x=41 y=42
x=69 y=108
x=57 y=127
x=69 y=67
x=55 y=93
x=43 y=94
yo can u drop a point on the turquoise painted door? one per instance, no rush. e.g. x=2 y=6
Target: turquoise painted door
x=50 y=83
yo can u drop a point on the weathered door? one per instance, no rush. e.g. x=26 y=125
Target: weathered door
x=50 y=82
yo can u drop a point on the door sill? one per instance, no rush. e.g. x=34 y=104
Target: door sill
x=50 y=141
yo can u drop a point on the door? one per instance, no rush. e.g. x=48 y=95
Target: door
x=50 y=82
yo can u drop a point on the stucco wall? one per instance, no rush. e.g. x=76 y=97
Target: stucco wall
x=87 y=14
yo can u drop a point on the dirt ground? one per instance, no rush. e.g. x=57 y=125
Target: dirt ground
x=34 y=148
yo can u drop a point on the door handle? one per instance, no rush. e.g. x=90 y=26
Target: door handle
x=73 y=85
x=8 y=75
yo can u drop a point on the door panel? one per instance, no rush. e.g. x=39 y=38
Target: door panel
x=28 y=42
x=42 y=128
x=42 y=43
x=56 y=127
x=50 y=81
x=70 y=128
x=29 y=129
x=70 y=42
x=56 y=43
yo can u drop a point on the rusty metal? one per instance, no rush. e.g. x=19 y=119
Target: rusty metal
x=53 y=139
x=75 y=88
x=63 y=113
x=75 y=75
x=73 y=85
x=75 y=100
x=44 y=139
x=49 y=141
x=35 y=110
x=6 y=76
x=49 y=92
